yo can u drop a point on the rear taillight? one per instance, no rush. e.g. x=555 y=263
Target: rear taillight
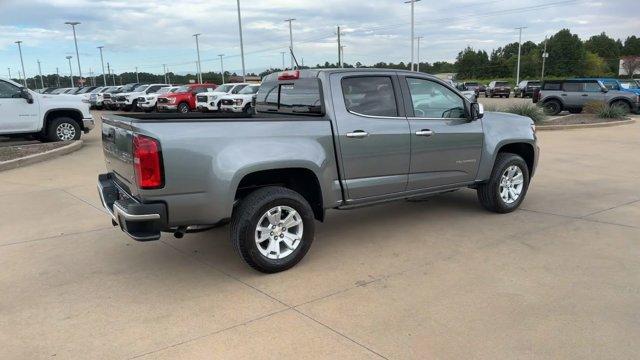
x=147 y=162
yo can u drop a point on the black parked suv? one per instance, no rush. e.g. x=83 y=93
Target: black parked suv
x=498 y=88
x=526 y=88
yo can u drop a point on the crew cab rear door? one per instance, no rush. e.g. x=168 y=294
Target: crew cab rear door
x=373 y=133
x=445 y=144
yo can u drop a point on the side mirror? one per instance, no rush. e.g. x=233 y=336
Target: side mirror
x=477 y=111
x=25 y=94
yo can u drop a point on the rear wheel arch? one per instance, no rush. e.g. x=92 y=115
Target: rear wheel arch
x=54 y=114
x=301 y=180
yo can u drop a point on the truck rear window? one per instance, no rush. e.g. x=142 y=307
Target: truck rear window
x=300 y=97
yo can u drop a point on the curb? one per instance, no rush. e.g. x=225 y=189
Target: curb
x=585 y=126
x=36 y=158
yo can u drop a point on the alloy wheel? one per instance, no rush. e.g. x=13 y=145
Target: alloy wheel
x=511 y=184
x=279 y=232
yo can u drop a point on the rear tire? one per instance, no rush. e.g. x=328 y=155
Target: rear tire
x=552 y=107
x=269 y=208
x=63 y=129
x=501 y=193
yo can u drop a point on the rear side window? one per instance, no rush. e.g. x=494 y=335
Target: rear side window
x=552 y=86
x=573 y=86
x=301 y=96
x=370 y=95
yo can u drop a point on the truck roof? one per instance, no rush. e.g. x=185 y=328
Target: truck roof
x=308 y=73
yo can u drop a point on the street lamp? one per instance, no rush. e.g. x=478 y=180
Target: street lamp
x=104 y=76
x=290 y=20
x=545 y=55
x=199 y=64
x=221 y=67
x=418 y=38
x=70 y=69
x=40 y=73
x=412 y=2
x=9 y=69
x=282 y=53
x=241 y=45
x=73 y=26
x=519 y=47
x=22 y=63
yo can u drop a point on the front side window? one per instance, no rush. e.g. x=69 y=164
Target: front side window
x=238 y=88
x=8 y=91
x=592 y=87
x=223 y=88
x=249 y=90
x=433 y=100
x=370 y=95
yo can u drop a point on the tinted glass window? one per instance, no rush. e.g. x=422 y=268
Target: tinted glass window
x=592 y=87
x=552 y=86
x=8 y=91
x=433 y=100
x=237 y=89
x=370 y=95
x=573 y=86
x=502 y=83
x=299 y=97
x=611 y=85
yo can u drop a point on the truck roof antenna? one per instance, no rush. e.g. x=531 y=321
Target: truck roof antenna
x=294 y=59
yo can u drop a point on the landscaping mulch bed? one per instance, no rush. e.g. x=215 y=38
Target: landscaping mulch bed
x=576 y=119
x=19 y=151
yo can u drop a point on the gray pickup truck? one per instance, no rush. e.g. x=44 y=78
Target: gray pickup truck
x=320 y=139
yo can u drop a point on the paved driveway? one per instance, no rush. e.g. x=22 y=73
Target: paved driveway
x=441 y=278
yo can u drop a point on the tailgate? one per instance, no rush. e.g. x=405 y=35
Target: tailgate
x=117 y=144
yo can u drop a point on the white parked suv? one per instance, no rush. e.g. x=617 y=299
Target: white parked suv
x=148 y=102
x=49 y=117
x=129 y=101
x=210 y=101
x=240 y=102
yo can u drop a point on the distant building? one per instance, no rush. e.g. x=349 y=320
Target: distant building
x=249 y=79
x=629 y=65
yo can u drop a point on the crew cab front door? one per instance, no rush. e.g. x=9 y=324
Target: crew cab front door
x=373 y=134
x=445 y=145
x=16 y=115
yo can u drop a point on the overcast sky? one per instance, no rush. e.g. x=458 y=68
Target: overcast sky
x=149 y=33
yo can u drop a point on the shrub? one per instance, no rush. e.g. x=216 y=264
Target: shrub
x=610 y=112
x=529 y=110
x=491 y=107
x=593 y=107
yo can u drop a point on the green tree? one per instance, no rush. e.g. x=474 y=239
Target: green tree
x=631 y=46
x=594 y=65
x=607 y=48
x=566 y=54
x=471 y=63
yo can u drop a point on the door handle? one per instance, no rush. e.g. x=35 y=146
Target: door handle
x=424 y=132
x=358 y=134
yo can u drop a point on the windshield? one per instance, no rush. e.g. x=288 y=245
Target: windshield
x=182 y=89
x=84 y=90
x=164 y=90
x=141 y=88
x=174 y=89
x=96 y=90
x=128 y=88
x=249 y=90
x=629 y=85
x=223 y=88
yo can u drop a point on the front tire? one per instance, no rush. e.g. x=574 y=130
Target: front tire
x=552 y=107
x=183 y=108
x=272 y=229
x=508 y=185
x=622 y=105
x=63 y=129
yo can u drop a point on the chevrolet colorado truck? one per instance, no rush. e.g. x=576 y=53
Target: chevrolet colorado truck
x=47 y=117
x=320 y=139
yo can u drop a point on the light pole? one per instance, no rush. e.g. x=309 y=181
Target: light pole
x=137 y=76
x=22 y=63
x=519 y=47
x=545 y=55
x=418 y=38
x=104 y=76
x=198 y=51
x=282 y=53
x=339 y=48
x=40 y=73
x=241 y=45
x=221 y=67
x=290 y=20
x=73 y=26
x=342 y=54
x=70 y=69
x=164 y=68
x=58 y=77
x=412 y=2
x=9 y=72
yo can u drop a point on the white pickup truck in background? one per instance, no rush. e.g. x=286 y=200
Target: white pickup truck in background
x=210 y=101
x=47 y=117
x=240 y=102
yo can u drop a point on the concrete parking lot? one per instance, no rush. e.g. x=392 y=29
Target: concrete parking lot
x=440 y=278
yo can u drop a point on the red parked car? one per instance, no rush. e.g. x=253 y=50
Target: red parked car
x=184 y=99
